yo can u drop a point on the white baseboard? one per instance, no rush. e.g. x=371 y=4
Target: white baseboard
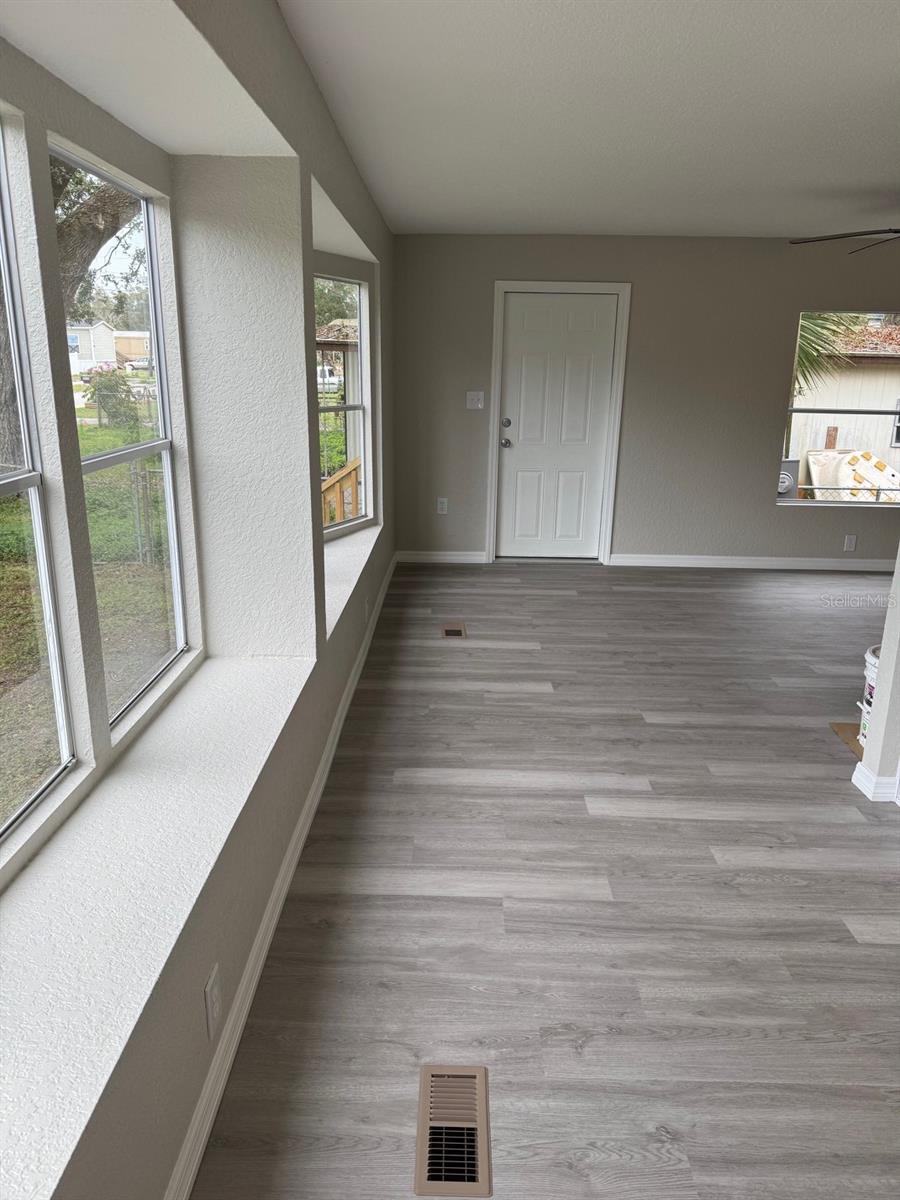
x=441 y=556
x=198 y=1132
x=877 y=787
x=759 y=563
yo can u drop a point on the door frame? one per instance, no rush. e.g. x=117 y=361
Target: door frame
x=622 y=291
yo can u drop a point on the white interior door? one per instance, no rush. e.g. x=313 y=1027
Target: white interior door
x=555 y=396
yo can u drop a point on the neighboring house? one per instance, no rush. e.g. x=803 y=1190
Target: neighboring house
x=93 y=343
x=131 y=344
x=867 y=376
x=90 y=343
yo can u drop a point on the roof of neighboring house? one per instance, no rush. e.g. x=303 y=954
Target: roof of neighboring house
x=875 y=340
x=339 y=332
x=87 y=325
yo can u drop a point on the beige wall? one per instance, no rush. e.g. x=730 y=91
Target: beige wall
x=710 y=352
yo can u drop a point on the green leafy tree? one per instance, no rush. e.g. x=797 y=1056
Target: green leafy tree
x=110 y=391
x=90 y=215
x=335 y=300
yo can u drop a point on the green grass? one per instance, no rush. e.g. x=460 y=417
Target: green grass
x=27 y=720
x=126 y=516
x=96 y=439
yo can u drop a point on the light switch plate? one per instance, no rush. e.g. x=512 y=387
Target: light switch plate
x=474 y=399
x=442 y=505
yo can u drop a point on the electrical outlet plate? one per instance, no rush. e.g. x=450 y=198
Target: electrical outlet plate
x=212 y=995
x=474 y=399
x=849 y=543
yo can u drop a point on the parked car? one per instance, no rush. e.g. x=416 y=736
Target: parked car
x=137 y=364
x=329 y=380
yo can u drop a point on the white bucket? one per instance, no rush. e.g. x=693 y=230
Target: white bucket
x=872 y=656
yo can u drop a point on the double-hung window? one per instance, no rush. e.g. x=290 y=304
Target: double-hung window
x=343 y=384
x=842 y=444
x=35 y=739
x=105 y=238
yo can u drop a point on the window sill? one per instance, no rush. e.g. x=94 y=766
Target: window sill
x=126 y=872
x=882 y=505
x=345 y=558
x=62 y=797
x=332 y=532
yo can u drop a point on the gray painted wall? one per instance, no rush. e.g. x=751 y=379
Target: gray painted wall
x=710 y=352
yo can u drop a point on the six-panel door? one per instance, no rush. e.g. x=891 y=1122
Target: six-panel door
x=555 y=393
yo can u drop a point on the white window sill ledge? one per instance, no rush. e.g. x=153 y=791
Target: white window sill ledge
x=91 y=921
x=345 y=558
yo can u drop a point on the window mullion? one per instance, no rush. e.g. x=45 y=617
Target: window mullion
x=51 y=625
x=112 y=458
x=63 y=495
x=13 y=485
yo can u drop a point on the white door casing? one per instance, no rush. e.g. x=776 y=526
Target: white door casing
x=560 y=379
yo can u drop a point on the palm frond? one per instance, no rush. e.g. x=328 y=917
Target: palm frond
x=818 y=346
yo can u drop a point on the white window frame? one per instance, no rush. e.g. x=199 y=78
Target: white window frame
x=95 y=741
x=365 y=407
x=794 y=408
x=28 y=482
x=163 y=445
x=365 y=276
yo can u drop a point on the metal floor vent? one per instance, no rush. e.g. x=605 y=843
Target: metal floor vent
x=453 y=1145
x=456 y=630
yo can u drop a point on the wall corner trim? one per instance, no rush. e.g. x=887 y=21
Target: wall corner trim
x=188 y=1162
x=750 y=562
x=442 y=556
x=877 y=787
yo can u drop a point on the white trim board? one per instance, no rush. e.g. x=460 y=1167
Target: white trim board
x=191 y=1153
x=441 y=556
x=751 y=562
x=877 y=787
x=617 y=389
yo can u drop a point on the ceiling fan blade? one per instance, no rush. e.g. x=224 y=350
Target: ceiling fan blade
x=836 y=237
x=883 y=242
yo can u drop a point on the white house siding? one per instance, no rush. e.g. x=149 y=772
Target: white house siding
x=104 y=343
x=868 y=382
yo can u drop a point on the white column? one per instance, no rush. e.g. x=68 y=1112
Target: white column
x=877 y=774
x=239 y=225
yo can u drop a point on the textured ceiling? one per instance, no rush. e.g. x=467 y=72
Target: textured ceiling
x=616 y=116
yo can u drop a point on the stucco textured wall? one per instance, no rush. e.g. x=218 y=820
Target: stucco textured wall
x=710 y=353
x=237 y=223
x=124 y=911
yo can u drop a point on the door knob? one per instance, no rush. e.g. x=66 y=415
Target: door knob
x=505 y=443
x=506 y=422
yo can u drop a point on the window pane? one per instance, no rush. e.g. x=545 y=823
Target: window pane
x=339 y=378
x=850 y=362
x=12 y=455
x=29 y=742
x=341 y=455
x=103 y=266
x=130 y=549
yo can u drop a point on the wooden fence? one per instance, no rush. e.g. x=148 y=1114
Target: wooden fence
x=340 y=494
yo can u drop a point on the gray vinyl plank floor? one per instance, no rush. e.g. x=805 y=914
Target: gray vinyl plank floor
x=606 y=845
